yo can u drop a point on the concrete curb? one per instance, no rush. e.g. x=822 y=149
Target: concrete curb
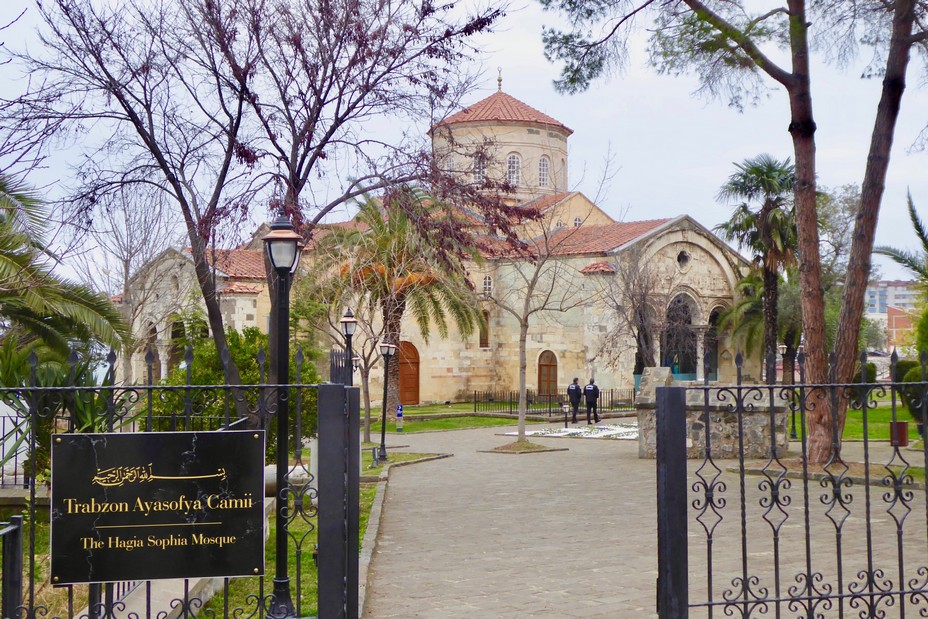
x=520 y=453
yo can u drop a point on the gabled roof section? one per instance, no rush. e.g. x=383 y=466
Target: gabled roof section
x=240 y=288
x=601 y=267
x=599 y=239
x=500 y=107
x=236 y=263
x=543 y=203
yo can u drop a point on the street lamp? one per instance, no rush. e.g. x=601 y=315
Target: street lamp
x=387 y=350
x=349 y=325
x=283 y=249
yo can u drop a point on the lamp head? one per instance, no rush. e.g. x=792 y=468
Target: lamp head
x=349 y=323
x=282 y=244
x=387 y=349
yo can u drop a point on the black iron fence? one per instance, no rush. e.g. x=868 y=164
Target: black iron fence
x=34 y=414
x=775 y=534
x=610 y=401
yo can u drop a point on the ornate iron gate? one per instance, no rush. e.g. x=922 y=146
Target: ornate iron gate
x=327 y=505
x=776 y=536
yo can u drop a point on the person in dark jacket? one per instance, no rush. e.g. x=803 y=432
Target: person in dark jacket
x=591 y=392
x=574 y=393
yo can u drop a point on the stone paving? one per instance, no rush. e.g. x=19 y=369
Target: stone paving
x=573 y=534
x=480 y=535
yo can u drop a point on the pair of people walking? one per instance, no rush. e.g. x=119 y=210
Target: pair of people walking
x=590 y=393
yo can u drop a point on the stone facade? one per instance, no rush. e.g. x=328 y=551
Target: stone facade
x=165 y=295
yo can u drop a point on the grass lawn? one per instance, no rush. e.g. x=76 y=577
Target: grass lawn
x=877 y=423
x=392 y=456
x=411 y=424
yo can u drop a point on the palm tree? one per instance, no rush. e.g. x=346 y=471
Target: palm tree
x=399 y=267
x=36 y=305
x=769 y=232
x=916 y=263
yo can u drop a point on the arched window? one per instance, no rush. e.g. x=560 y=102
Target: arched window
x=480 y=169
x=514 y=169
x=577 y=222
x=560 y=223
x=563 y=173
x=485 y=330
x=544 y=172
x=487 y=285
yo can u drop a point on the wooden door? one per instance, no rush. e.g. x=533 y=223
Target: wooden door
x=409 y=373
x=547 y=373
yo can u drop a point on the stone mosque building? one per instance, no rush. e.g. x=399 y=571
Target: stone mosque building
x=692 y=275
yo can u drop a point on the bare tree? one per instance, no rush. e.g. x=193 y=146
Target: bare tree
x=536 y=281
x=638 y=301
x=152 y=79
x=132 y=228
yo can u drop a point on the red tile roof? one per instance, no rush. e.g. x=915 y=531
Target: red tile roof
x=239 y=288
x=599 y=239
x=504 y=108
x=598 y=267
x=544 y=203
x=237 y=263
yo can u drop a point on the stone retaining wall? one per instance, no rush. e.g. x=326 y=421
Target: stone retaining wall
x=723 y=422
x=723 y=427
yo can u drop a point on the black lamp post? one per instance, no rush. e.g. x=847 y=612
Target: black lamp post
x=387 y=350
x=283 y=248
x=349 y=324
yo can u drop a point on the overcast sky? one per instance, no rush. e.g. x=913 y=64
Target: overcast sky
x=672 y=150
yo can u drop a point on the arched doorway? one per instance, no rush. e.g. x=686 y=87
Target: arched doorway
x=547 y=373
x=409 y=373
x=678 y=339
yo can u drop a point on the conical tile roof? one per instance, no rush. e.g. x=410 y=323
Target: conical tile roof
x=501 y=107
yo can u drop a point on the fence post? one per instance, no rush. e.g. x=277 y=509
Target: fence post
x=353 y=492
x=333 y=530
x=11 y=595
x=672 y=559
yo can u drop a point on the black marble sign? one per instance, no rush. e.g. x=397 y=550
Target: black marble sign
x=142 y=506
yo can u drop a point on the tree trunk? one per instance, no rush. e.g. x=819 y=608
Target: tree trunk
x=523 y=365
x=771 y=294
x=802 y=130
x=366 y=384
x=214 y=317
x=789 y=365
x=881 y=141
x=393 y=310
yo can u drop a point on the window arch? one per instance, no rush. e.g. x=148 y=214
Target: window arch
x=577 y=222
x=480 y=169
x=544 y=172
x=487 y=285
x=514 y=169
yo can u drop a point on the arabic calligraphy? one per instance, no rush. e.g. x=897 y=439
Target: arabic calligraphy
x=121 y=475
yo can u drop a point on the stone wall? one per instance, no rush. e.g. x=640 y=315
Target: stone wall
x=723 y=429
x=723 y=423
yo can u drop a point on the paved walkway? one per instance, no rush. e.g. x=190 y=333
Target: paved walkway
x=485 y=535
x=572 y=534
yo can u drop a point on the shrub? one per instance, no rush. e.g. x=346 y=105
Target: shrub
x=902 y=368
x=911 y=396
